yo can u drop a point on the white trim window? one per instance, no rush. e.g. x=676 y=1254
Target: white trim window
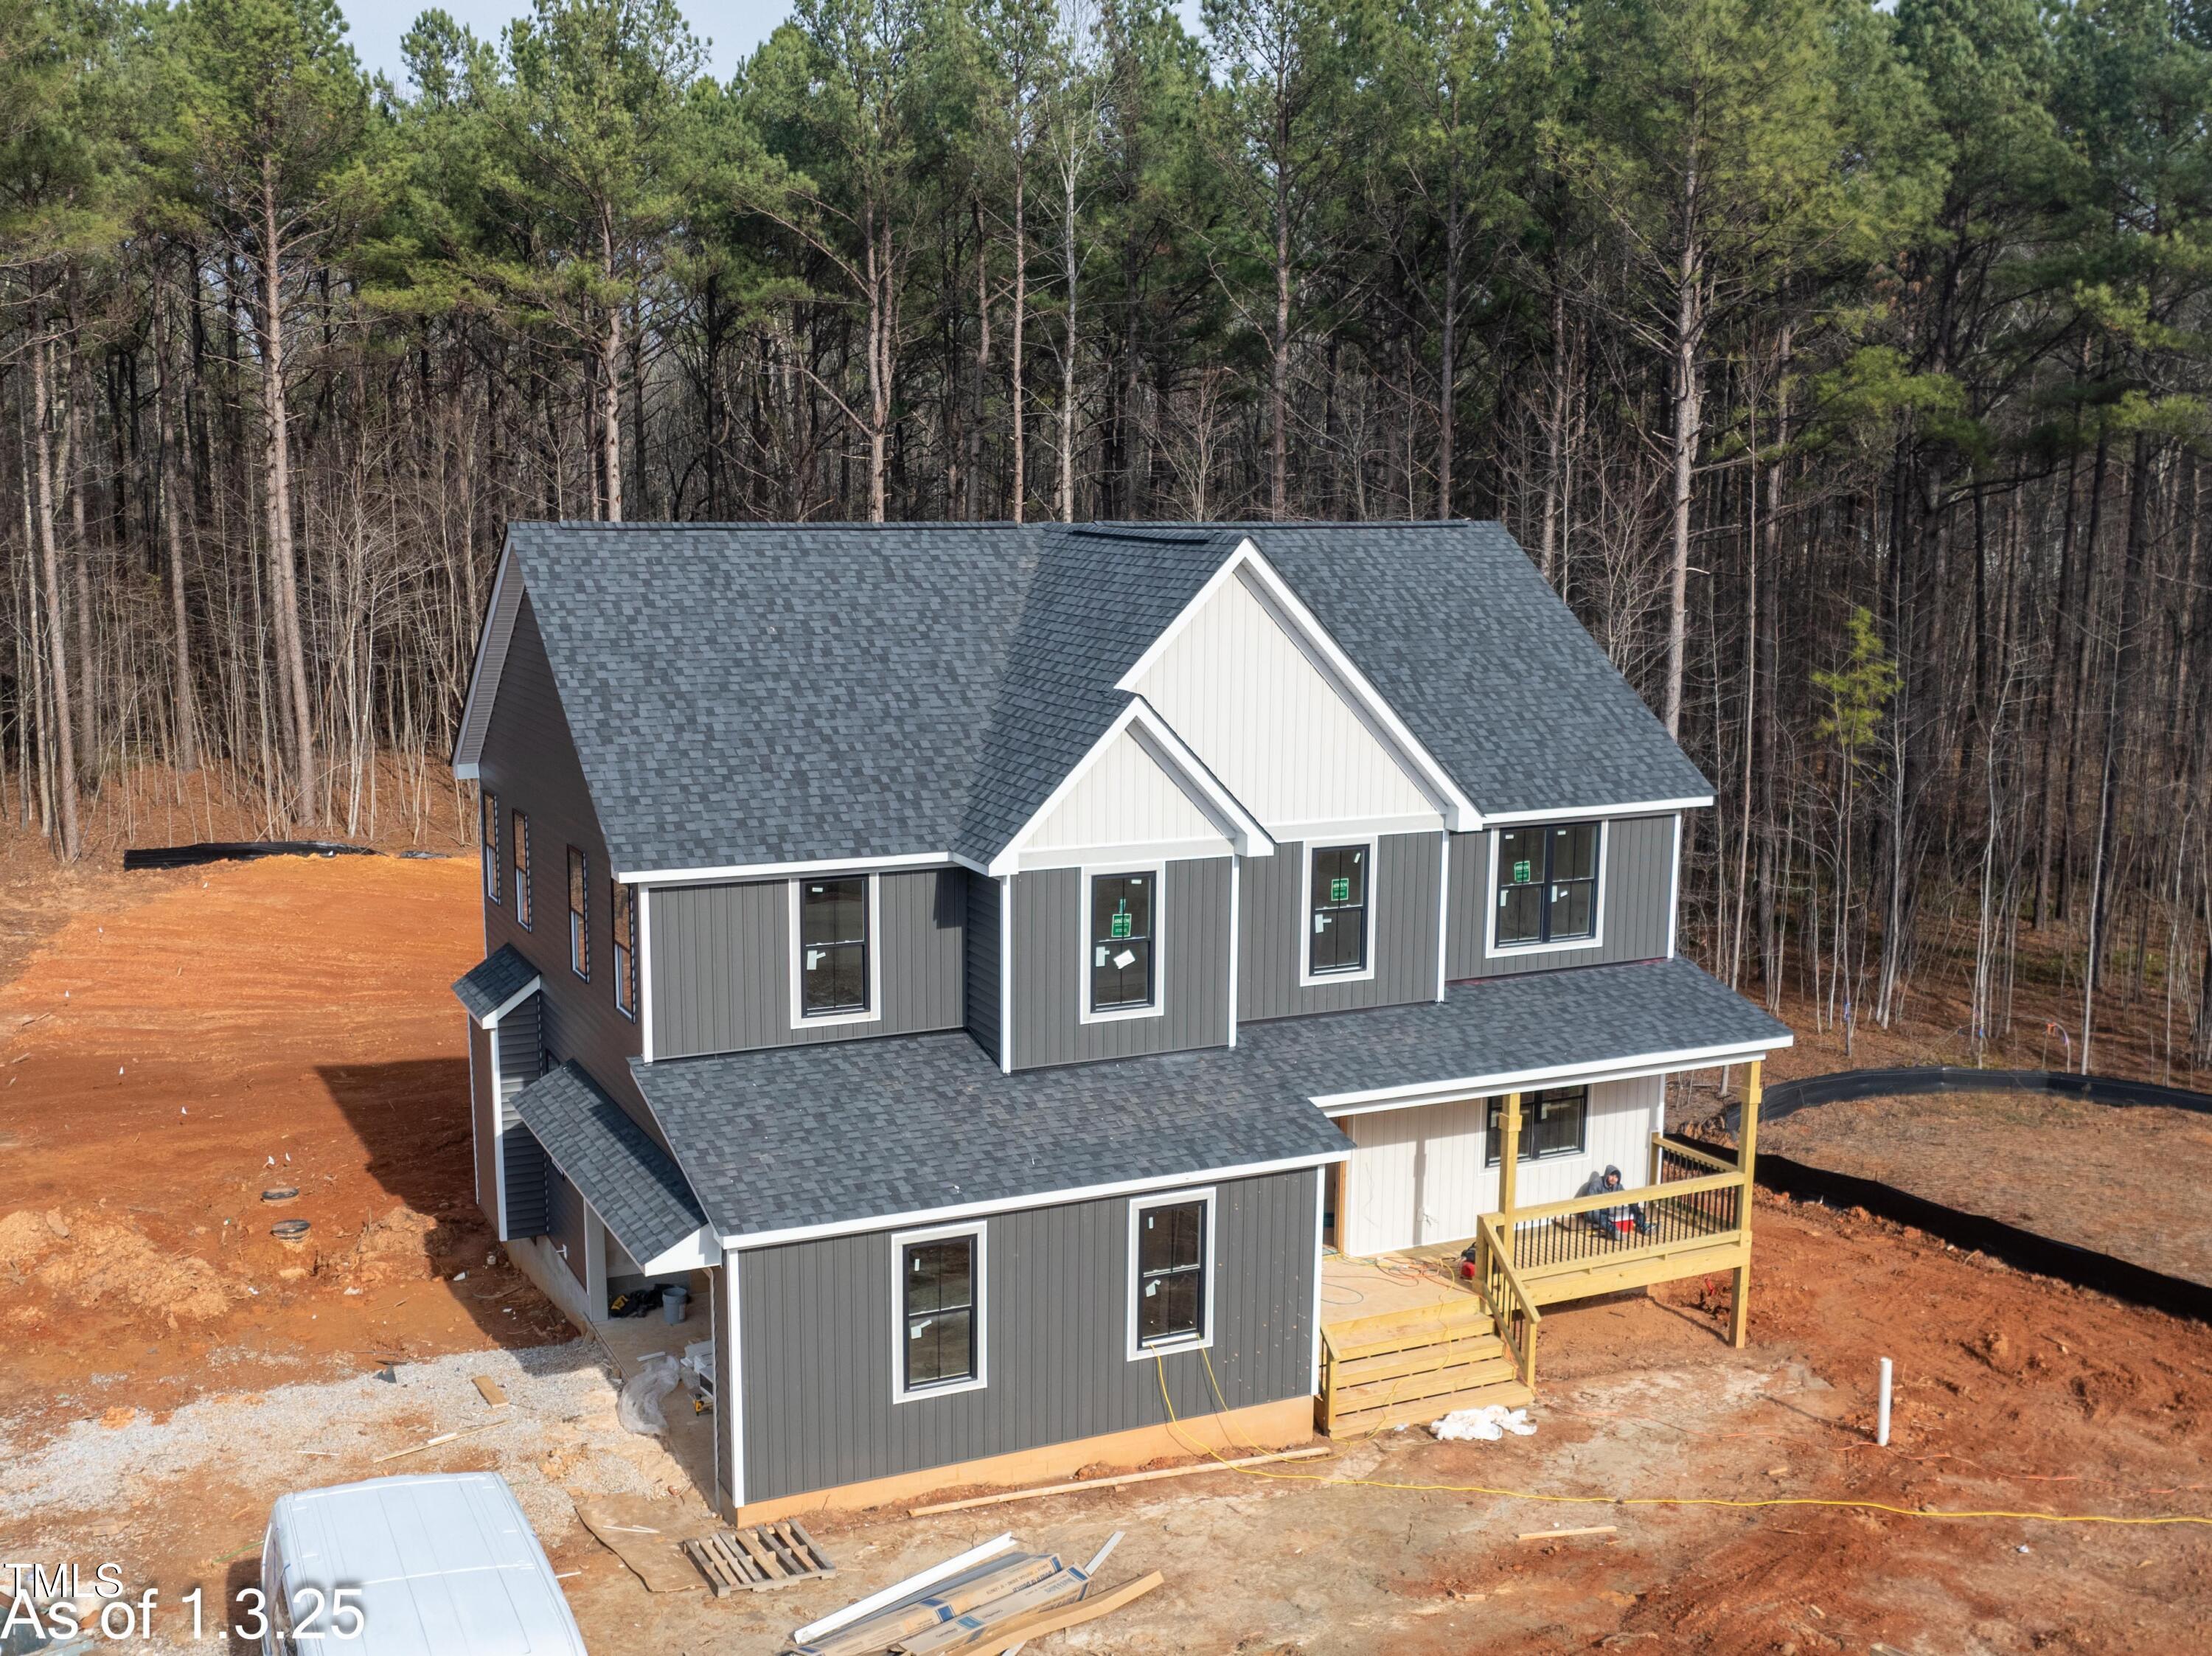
x=1339 y=908
x=836 y=970
x=1548 y=879
x=1122 y=962
x=519 y=850
x=1553 y=1122
x=489 y=835
x=939 y=1337
x=624 y=911
x=1170 y=1273
x=579 y=914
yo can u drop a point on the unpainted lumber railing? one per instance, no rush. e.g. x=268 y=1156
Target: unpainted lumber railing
x=1507 y=1296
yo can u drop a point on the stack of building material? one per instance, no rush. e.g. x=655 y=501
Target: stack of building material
x=985 y=1602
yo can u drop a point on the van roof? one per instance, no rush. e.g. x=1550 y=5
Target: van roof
x=444 y=1562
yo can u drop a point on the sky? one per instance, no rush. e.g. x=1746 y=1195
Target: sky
x=734 y=27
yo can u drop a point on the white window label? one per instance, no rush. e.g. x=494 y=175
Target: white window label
x=1122 y=961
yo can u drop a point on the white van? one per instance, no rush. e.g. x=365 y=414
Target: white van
x=441 y=1565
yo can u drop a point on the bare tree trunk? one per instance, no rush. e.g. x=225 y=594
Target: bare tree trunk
x=69 y=842
x=611 y=385
x=1279 y=352
x=277 y=466
x=1068 y=338
x=1689 y=329
x=1018 y=362
x=173 y=498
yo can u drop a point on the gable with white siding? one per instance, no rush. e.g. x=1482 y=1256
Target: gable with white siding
x=1253 y=702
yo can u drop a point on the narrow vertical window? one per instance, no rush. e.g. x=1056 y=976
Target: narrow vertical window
x=1547 y=879
x=625 y=918
x=1122 y=919
x=833 y=946
x=521 y=852
x=1337 y=929
x=939 y=1300
x=490 y=833
x=579 y=897
x=1171 y=1270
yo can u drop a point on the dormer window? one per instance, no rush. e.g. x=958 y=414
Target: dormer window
x=836 y=974
x=1547 y=879
x=1121 y=939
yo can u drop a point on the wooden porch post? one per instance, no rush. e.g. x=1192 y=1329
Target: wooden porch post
x=1747 y=1156
x=1508 y=1161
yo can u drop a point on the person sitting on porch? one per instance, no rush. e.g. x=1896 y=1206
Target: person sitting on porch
x=1607 y=1221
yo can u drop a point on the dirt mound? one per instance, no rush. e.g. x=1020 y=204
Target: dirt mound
x=86 y=1258
x=407 y=1246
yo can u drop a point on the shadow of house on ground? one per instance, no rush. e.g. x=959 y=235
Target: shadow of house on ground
x=411 y=1117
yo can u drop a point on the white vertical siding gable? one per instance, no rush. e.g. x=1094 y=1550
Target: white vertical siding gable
x=1124 y=799
x=1252 y=704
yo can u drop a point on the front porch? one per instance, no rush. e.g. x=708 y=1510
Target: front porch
x=1407 y=1336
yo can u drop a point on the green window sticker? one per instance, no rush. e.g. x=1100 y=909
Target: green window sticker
x=1118 y=927
x=1523 y=871
x=1339 y=890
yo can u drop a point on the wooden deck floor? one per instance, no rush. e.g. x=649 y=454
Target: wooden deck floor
x=1353 y=1289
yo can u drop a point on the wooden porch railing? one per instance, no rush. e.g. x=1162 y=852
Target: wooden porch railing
x=1619 y=1224
x=1507 y=1296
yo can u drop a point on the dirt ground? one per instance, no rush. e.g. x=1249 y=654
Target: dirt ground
x=2133 y=1182
x=166 y=1368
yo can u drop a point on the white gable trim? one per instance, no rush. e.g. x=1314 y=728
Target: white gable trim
x=483 y=677
x=1305 y=629
x=700 y=1251
x=1239 y=828
x=915 y=860
x=491 y=1020
x=1336 y=1106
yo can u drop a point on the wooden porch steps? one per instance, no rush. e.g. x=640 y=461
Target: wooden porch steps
x=1421 y=1411
x=1413 y=1365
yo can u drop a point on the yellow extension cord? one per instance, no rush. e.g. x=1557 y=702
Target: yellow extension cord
x=1175 y=1429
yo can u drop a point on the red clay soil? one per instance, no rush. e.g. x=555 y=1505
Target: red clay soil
x=2131 y=1181
x=186 y=1040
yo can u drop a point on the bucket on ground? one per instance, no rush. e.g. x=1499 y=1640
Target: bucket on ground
x=674 y=1297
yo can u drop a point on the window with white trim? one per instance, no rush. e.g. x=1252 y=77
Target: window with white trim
x=941 y=1311
x=1124 y=910
x=625 y=918
x=1547 y=883
x=833 y=946
x=519 y=850
x=1336 y=931
x=490 y=837
x=579 y=914
x=1171 y=1243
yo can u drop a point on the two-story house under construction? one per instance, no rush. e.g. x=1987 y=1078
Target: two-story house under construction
x=1025 y=977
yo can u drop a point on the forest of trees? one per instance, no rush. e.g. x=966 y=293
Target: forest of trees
x=1844 y=368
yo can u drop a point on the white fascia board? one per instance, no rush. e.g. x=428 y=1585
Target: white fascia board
x=483 y=674
x=491 y=1020
x=1015 y=1204
x=698 y=1251
x=1336 y=1106
x=1241 y=830
x=1586 y=813
x=1457 y=810
x=912 y=859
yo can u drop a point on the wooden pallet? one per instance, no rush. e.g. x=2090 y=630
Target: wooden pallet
x=752 y=1560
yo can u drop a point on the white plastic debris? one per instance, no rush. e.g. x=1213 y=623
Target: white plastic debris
x=638 y=1405
x=1486 y=1424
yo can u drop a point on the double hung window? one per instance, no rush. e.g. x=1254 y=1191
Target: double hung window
x=1547 y=884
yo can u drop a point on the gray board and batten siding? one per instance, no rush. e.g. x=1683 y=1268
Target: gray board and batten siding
x=530 y=761
x=1636 y=894
x=980 y=962
x=1272 y=918
x=567 y=1227
x=1191 y=945
x=723 y=957
x=483 y=1120
x=520 y=1045
x=816 y=1342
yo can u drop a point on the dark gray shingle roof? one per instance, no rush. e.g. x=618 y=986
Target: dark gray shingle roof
x=777 y=693
x=621 y=1172
x=494 y=981
x=847 y=1131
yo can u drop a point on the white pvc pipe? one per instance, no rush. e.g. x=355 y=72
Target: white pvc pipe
x=1881 y=1410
